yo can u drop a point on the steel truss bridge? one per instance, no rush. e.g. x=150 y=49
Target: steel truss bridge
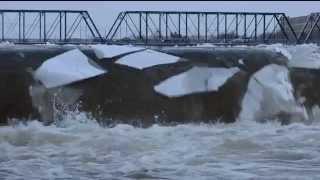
x=41 y=26
x=156 y=28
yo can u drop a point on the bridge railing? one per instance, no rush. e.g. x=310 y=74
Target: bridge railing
x=163 y=27
x=41 y=26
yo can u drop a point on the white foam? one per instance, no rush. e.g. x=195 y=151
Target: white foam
x=83 y=150
x=109 y=51
x=197 y=79
x=269 y=93
x=66 y=68
x=147 y=58
x=241 y=150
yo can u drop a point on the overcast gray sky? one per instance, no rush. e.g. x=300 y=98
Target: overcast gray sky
x=105 y=12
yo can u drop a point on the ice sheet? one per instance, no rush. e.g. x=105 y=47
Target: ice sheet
x=269 y=93
x=147 y=58
x=197 y=79
x=109 y=51
x=66 y=68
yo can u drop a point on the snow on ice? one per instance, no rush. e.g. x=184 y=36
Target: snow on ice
x=147 y=58
x=197 y=79
x=110 y=51
x=66 y=68
x=300 y=56
x=269 y=93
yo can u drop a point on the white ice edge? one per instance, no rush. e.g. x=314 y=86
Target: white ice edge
x=110 y=51
x=197 y=79
x=269 y=92
x=299 y=56
x=147 y=58
x=66 y=68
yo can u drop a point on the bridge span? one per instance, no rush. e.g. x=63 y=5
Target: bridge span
x=42 y=26
x=162 y=28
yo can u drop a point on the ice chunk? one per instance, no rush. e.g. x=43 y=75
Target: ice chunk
x=206 y=45
x=66 y=68
x=300 y=56
x=6 y=43
x=280 y=48
x=218 y=76
x=269 y=93
x=241 y=61
x=109 y=51
x=147 y=58
x=305 y=56
x=197 y=79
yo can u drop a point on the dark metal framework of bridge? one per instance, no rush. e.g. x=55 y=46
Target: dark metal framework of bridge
x=41 y=26
x=157 y=27
x=154 y=28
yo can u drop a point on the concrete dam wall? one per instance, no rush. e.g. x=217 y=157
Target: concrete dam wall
x=138 y=86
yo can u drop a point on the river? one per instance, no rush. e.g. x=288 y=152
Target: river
x=78 y=148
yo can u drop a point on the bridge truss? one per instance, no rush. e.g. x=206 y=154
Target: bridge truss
x=157 y=28
x=310 y=32
x=42 y=26
x=173 y=27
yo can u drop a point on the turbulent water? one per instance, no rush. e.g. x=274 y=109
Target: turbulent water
x=78 y=148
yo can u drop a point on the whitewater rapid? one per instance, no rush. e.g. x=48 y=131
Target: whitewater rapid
x=78 y=148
